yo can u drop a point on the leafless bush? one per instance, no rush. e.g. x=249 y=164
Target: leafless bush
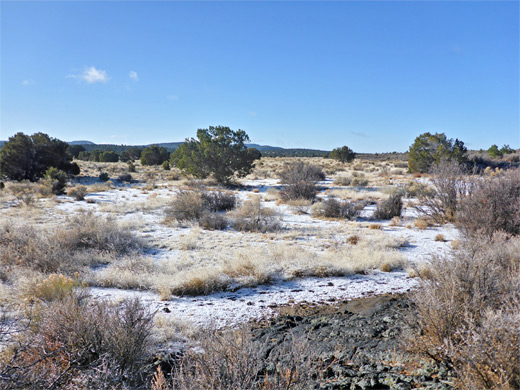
x=440 y=202
x=389 y=208
x=466 y=308
x=213 y=221
x=234 y=361
x=333 y=208
x=219 y=200
x=492 y=205
x=300 y=180
x=187 y=206
x=79 y=343
x=253 y=217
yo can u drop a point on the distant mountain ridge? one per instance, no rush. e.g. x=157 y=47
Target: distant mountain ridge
x=266 y=150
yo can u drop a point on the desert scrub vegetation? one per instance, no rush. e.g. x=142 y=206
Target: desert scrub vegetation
x=81 y=240
x=299 y=180
x=234 y=360
x=468 y=313
x=491 y=204
x=202 y=207
x=251 y=216
x=334 y=208
x=78 y=342
x=390 y=207
x=205 y=273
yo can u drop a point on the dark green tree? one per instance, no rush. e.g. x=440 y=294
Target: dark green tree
x=506 y=149
x=95 y=155
x=430 y=149
x=75 y=150
x=26 y=157
x=154 y=155
x=217 y=151
x=493 y=151
x=343 y=154
x=109 y=156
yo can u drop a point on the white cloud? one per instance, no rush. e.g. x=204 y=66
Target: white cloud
x=27 y=83
x=172 y=97
x=133 y=75
x=91 y=75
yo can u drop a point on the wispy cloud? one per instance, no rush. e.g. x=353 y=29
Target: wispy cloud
x=91 y=75
x=172 y=97
x=133 y=75
x=252 y=113
x=360 y=134
x=27 y=83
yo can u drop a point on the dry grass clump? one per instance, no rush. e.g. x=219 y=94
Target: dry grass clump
x=55 y=287
x=80 y=240
x=299 y=206
x=343 y=180
x=469 y=313
x=253 y=217
x=77 y=342
x=422 y=223
x=440 y=238
x=333 y=208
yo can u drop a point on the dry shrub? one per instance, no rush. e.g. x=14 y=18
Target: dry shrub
x=233 y=360
x=343 y=180
x=55 y=287
x=81 y=343
x=359 y=182
x=187 y=206
x=213 y=221
x=440 y=202
x=63 y=249
x=389 y=208
x=253 y=217
x=219 y=200
x=468 y=313
x=375 y=226
x=440 y=238
x=333 y=208
x=422 y=223
x=492 y=205
x=300 y=180
x=300 y=206
x=78 y=192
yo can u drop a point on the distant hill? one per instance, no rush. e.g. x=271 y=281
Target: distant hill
x=266 y=150
x=81 y=143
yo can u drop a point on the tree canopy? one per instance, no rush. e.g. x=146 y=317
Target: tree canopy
x=217 y=151
x=26 y=157
x=343 y=154
x=430 y=149
x=154 y=155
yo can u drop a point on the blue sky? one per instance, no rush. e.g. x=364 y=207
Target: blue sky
x=370 y=75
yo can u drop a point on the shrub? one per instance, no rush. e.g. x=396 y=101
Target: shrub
x=300 y=180
x=187 y=206
x=166 y=165
x=252 y=217
x=103 y=176
x=55 y=287
x=131 y=166
x=491 y=205
x=109 y=156
x=78 y=342
x=218 y=151
x=429 y=150
x=57 y=180
x=126 y=177
x=219 y=200
x=78 y=192
x=213 y=221
x=389 y=208
x=468 y=313
x=343 y=180
x=333 y=208
x=440 y=201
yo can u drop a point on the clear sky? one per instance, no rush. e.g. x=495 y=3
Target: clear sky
x=370 y=75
